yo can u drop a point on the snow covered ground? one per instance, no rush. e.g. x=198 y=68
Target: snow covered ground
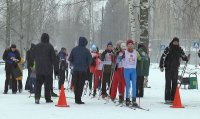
x=20 y=106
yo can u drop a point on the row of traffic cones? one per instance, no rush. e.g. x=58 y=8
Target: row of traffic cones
x=62 y=102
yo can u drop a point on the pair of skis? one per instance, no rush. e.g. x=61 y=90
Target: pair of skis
x=132 y=107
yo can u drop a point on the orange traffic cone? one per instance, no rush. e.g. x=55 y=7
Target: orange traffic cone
x=177 y=100
x=62 y=99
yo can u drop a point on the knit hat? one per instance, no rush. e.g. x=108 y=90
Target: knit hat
x=94 y=48
x=175 y=39
x=129 y=41
x=13 y=46
x=109 y=43
x=123 y=45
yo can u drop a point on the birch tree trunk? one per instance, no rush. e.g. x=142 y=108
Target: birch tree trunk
x=8 y=12
x=132 y=18
x=29 y=25
x=21 y=29
x=144 y=14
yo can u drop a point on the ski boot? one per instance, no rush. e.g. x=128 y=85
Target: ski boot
x=121 y=99
x=54 y=94
x=94 y=93
x=37 y=101
x=134 y=104
x=128 y=102
x=104 y=95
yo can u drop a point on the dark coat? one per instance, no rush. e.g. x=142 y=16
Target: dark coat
x=7 y=58
x=29 y=58
x=80 y=57
x=144 y=63
x=171 y=57
x=45 y=58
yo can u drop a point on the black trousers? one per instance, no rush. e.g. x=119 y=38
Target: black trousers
x=47 y=81
x=79 y=81
x=61 y=78
x=89 y=78
x=106 y=79
x=10 y=76
x=140 y=86
x=27 y=86
x=171 y=77
x=19 y=84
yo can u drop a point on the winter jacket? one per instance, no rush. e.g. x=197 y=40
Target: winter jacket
x=45 y=58
x=10 y=64
x=21 y=68
x=29 y=57
x=80 y=57
x=108 y=68
x=62 y=59
x=170 y=59
x=143 y=64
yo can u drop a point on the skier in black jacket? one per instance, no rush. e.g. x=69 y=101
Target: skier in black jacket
x=170 y=60
x=11 y=56
x=45 y=59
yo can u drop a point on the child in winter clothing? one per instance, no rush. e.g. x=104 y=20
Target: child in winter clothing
x=98 y=73
x=19 y=79
x=63 y=65
x=108 y=59
x=92 y=67
x=118 y=77
x=130 y=62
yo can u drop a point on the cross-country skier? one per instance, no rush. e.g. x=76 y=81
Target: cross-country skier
x=130 y=62
x=108 y=59
x=118 y=81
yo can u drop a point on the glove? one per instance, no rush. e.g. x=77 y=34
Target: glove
x=161 y=69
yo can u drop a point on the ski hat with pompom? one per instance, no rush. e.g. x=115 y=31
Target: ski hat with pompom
x=129 y=41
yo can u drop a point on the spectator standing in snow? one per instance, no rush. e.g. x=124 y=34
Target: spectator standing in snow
x=80 y=57
x=11 y=56
x=45 y=58
x=30 y=62
x=142 y=69
x=19 y=79
x=170 y=60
